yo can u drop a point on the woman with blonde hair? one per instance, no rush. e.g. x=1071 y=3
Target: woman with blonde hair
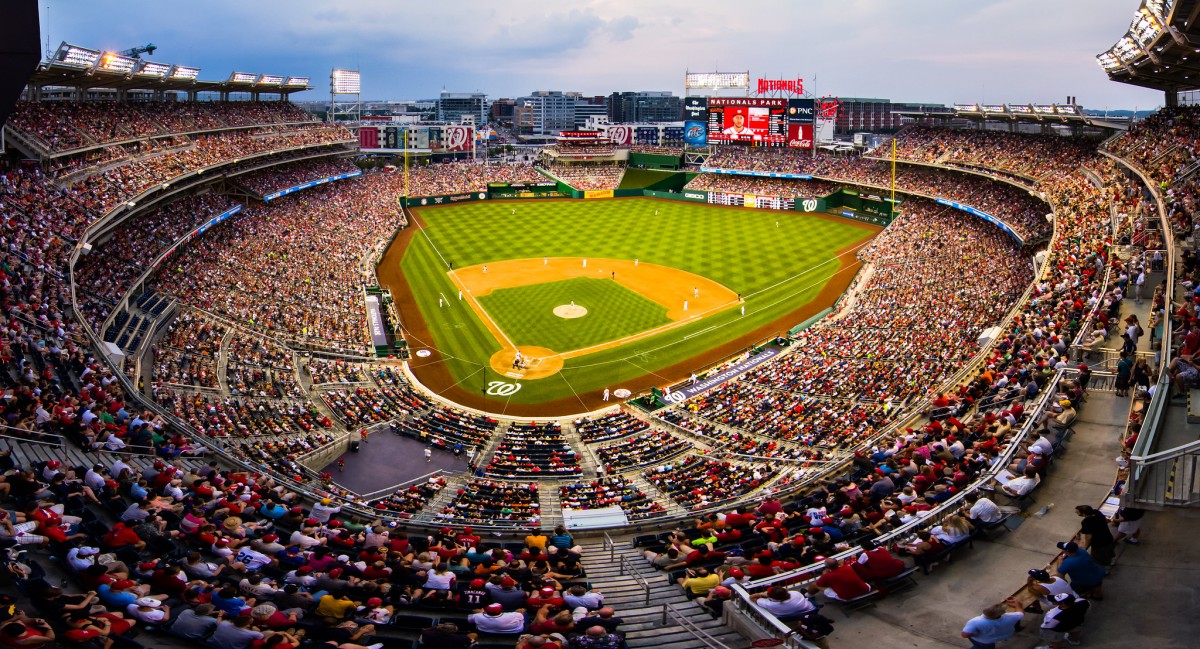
x=954 y=529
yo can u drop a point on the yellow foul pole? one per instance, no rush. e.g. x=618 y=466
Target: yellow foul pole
x=893 y=208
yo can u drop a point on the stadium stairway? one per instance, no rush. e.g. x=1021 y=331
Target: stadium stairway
x=642 y=611
x=223 y=360
x=583 y=453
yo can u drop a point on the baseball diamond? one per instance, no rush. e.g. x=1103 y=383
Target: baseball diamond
x=664 y=282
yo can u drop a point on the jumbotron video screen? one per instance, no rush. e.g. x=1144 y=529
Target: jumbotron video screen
x=747 y=120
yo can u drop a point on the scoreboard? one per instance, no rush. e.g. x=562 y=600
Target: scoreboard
x=753 y=121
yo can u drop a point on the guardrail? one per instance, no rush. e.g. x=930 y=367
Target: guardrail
x=669 y=612
x=1141 y=486
x=627 y=567
x=935 y=516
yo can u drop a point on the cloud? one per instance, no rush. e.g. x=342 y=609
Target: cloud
x=920 y=50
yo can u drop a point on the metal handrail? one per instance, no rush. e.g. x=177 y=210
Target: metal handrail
x=610 y=546
x=1155 y=412
x=951 y=505
x=637 y=577
x=670 y=611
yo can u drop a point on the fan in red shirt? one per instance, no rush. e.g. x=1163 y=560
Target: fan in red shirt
x=839 y=582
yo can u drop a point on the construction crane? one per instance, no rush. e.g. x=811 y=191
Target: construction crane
x=136 y=52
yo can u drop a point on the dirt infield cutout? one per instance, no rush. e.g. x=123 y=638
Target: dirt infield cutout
x=686 y=296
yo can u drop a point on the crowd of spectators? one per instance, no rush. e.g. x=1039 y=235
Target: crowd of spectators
x=306 y=286
x=117 y=184
x=486 y=501
x=847 y=377
x=188 y=352
x=234 y=416
x=280 y=177
x=534 y=450
x=698 y=483
x=360 y=406
x=611 y=426
x=111 y=267
x=640 y=450
x=334 y=370
x=781 y=187
x=588 y=177
x=65 y=125
x=607 y=492
x=1024 y=213
x=1033 y=156
x=657 y=149
x=442 y=179
x=409 y=500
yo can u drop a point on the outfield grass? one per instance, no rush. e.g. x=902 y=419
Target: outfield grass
x=778 y=261
x=526 y=313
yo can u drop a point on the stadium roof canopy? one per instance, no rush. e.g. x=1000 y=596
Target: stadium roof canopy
x=78 y=67
x=1161 y=50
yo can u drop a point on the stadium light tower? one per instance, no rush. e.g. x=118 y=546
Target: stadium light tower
x=345 y=98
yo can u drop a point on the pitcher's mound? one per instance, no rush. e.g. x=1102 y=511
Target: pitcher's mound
x=569 y=311
x=536 y=362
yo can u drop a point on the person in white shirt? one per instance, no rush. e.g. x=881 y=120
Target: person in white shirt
x=738 y=128
x=94 y=478
x=323 y=510
x=783 y=604
x=493 y=619
x=982 y=509
x=148 y=610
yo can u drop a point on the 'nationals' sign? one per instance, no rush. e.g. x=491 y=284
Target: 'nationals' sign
x=794 y=86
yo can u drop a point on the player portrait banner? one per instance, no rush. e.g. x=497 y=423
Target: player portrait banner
x=695 y=121
x=457 y=138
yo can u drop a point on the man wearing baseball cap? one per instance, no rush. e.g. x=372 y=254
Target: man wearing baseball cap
x=474 y=595
x=1061 y=624
x=493 y=619
x=1086 y=575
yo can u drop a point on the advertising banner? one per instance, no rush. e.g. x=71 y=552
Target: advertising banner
x=800 y=136
x=426 y=201
x=620 y=134
x=457 y=138
x=986 y=217
x=679 y=395
x=695 y=121
x=311 y=183
x=598 y=193
x=375 y=321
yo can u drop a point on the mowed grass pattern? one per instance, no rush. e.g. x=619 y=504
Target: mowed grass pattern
x=778 y=261
x=526 y=313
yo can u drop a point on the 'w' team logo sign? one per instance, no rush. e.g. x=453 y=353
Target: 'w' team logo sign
x=620 y=135
x=809 y=205
x=458 y=138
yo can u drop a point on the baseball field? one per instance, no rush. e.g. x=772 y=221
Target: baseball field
x=534 y=308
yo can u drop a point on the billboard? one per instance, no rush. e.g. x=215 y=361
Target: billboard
x=647 y=135
x=457 y=138
x=801 y=115
x=800 y=136
x=695 y=121
x=716 y=80
x=747 y=120
x=673 y=134
x=620 y=134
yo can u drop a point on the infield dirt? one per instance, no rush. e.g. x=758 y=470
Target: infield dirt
x=436 y=377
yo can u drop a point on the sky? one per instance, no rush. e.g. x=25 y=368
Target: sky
x=939 y=51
